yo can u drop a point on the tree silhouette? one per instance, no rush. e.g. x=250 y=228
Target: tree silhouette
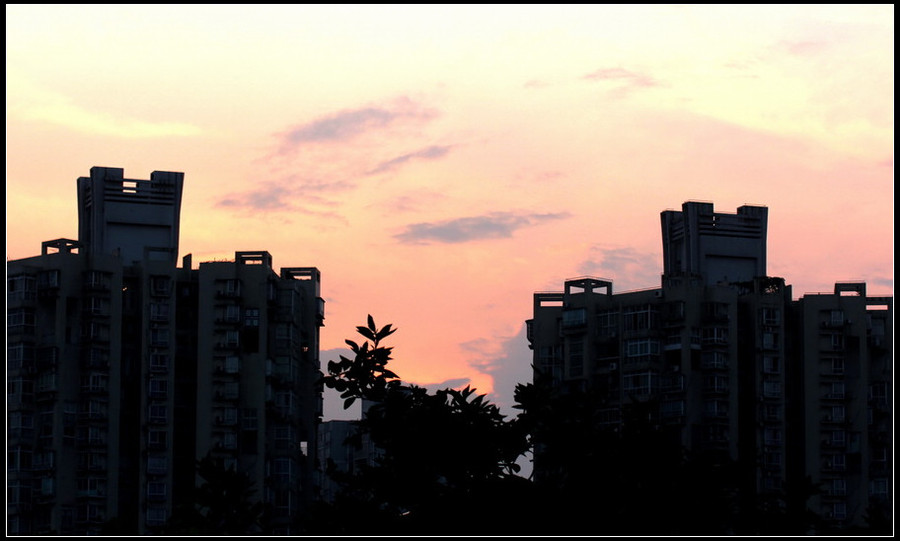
x=222 y=505
x=600 y=476
x=446 y=462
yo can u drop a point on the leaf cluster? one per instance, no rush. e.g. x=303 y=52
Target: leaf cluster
x=365 y=376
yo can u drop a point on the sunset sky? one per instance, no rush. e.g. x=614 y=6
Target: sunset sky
x=441 y=164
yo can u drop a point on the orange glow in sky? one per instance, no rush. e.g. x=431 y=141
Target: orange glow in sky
x=439 y=164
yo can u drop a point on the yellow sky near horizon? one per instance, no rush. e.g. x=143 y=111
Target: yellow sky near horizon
x=439 y=164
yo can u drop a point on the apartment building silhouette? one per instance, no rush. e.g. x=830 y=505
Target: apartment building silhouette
x=788 y=389
x=124 y=369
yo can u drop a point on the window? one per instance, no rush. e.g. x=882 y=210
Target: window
x=878 y=392
x=20 y=288
x=251 y=317
x=770 y=340
x=282 y=469
x=576 y=358
x=839 y=462
x=772 y=436
x=157 y=413
x=715 y=310
x=771 y=364
x=230 y=416
x=159 y=388
x=18 y=459
x=716 y=383
x=284 y=501
x=95 y=382
x=18 y=491
x=46 y=382
x=156 y=516
x=837 y=390
x=159 y=338
x=230 y=288
x=715 y=335
x=642 y=383
x=837 y=365
x=18 y=389
x=48 y=279
x=772 y=483
x=232 y=339
x=94 y=409
x=156 y=490
x=157 y=439
x=574 y=318
x=90 y=512
x=284 y=402
x=838 y=413
x=97 y=280
x=772 y=389
x=838 y=487
x=160 y=286
x=91 y=486
x=714 y=360
x=837 y=341
x=97 y=306
x=20 y=320
x=19 y=356
x=157 y=465
x=673 y=408
x=716 y=408
x=92 y=461
x=839 y=511
x=838 y=438
x=231 y=390
x=159 y=311
x=159 y=362
x=232 y=313
x=643 y=347
x=232 y=365
x=607 y=323
x=837 y=317
x=284 y=336
x=878 y=487
x=229 y=440
x=673 y=338
x=639 y=318
x=770 y=316
x=249 y=419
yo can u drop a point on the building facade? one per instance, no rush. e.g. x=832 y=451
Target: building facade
x=731 y=365
x=846 y=364
x=124 y=369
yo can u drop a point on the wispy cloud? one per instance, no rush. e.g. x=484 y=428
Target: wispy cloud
x=284 y=196
x=412 y=201
x=428 y=153
x=627 y=80
x=626 y=267
x=344 y=125
x=34 y=102
x=491 y=226
x=802 y=48
x=536 y=83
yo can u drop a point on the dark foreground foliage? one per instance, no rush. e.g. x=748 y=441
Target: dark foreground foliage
x=446 y=465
